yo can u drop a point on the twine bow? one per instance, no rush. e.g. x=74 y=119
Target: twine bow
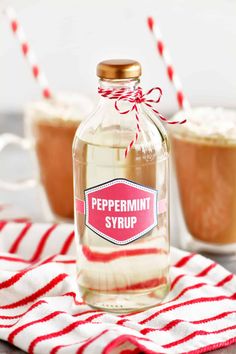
x=136 y=97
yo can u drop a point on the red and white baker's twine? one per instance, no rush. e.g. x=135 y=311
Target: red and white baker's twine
x=164 y=53
x=135 y=97
x=28 y=53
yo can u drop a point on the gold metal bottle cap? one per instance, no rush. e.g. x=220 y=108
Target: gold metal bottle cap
x=118 y=69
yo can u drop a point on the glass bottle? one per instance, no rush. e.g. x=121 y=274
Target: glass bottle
x=121 y=197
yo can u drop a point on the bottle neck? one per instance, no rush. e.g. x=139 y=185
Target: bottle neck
x=131 y=84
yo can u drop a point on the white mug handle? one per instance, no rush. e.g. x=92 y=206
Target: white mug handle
x=9 y=139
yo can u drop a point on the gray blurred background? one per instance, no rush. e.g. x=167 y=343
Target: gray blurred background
x=71 y=36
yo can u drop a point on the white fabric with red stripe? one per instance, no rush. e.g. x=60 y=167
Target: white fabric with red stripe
x=41 y=310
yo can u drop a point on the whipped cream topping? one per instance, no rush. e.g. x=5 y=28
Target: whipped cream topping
x=207 y=122
x=66 y=106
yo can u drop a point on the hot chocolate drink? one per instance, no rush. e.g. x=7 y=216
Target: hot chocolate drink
x=53 y=148
x=52 y=125
x=204 y=151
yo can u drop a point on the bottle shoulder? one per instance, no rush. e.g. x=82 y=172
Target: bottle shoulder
x=107 y=127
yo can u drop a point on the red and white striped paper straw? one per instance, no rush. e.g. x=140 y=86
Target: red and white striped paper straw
x=28 y=53
x=164 y=53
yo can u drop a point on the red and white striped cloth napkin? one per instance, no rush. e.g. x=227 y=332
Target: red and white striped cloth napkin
x=41 y=310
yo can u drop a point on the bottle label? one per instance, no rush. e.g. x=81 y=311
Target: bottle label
x=121 y=211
